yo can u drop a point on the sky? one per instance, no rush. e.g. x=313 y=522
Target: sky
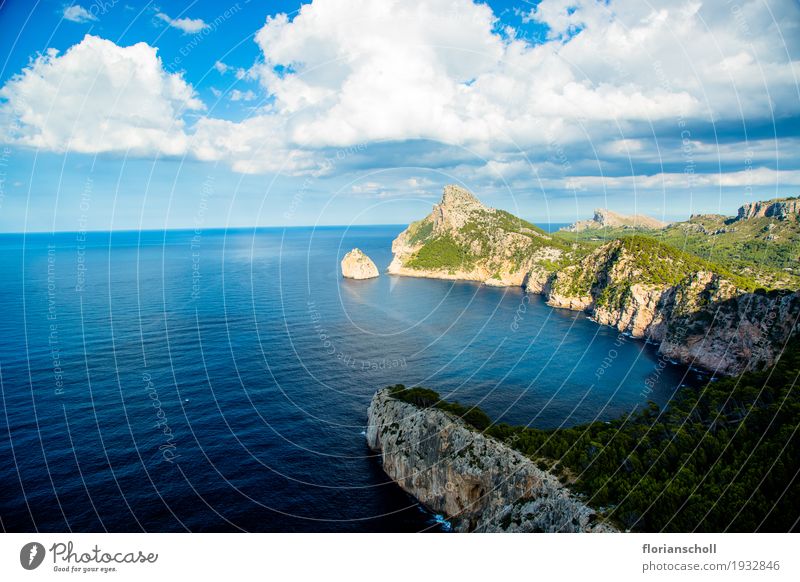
x=118 y=114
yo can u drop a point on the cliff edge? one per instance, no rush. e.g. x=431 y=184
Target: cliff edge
x=480 y=484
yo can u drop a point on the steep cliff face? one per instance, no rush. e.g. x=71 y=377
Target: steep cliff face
x=465 y=240
x=478 y=483
x=604 y=218
x=700 y=313
x=780 y=208
x=742 y=333
x=698 y=317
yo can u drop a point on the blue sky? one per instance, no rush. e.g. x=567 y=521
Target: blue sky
x=124 y=114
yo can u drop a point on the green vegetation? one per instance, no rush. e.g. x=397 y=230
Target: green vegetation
x=661 y=263
x=442 y=252
x=420 y=231
x=720 y=458
x=480 y=240
x=426 y=398
x=761 y=249
x=511 y=223
x=648 y=261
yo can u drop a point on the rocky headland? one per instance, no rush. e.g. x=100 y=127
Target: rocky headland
x=477 y=482
x=357 y=265
x=604 y=218
x=698 y=312
x=462 y=239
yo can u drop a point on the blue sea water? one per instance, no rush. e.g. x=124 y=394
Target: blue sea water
x=219 y=381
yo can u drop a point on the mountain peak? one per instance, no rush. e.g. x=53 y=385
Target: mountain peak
x=458 y=197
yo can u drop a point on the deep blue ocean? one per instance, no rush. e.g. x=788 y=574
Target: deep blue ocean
x=219 y=381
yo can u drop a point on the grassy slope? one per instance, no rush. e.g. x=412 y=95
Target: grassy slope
x=724 y=457
x=649 y=261
x=448 y=252
x=742 y=247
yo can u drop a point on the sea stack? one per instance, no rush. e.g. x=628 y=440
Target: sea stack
x=357 y=265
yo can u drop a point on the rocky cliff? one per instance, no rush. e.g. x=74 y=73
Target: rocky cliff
x=700 y=313
x=479 y=483
x=780 y=208
x=697 y=316
x=357 y=265
x=465 y=240
x=604 y=218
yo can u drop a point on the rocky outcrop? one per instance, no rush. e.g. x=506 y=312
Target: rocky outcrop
x=699 y=313
x=478 y=483
x=604 y=218
x=357 y=265
x=742 y=333
x=696 y=316
x=780 y=209
x=461 y=239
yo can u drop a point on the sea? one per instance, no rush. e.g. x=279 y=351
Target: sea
x=219 y=380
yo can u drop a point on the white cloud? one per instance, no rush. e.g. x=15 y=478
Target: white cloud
x=253 y=146
x=77 y=13
x=436 y=69
x=756 y=177
x=352 y=71
x=237 y=95
x=186 y=25
x=100 y=97
x=344 y=72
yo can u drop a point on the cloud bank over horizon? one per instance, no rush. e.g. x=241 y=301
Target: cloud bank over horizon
x=621 y=94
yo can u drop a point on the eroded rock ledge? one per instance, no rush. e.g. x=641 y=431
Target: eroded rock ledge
x=478 y=483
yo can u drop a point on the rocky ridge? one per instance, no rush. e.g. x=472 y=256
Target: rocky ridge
x=357 y=265
x=478 y=483
x=604 y=218
x=696 y=316
x=779 y=208
x=697 y=312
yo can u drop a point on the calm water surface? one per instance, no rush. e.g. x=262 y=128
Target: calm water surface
x=173 y=381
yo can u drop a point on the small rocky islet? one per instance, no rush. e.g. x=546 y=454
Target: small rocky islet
x=357 y=265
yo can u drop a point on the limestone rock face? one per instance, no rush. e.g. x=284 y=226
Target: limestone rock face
x=479 y=483
x=606 y=218
x=495 y=247
x=700 y=319
x=743 y=332
x=357 y=265
x=780 y=208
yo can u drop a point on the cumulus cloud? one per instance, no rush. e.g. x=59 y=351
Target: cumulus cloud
x=439 y=69
x=351 y=71
x=237 y=95
x=339 y=73
x=185 y=25
x=100 y=97
x=77 y=13
x=766 y=179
